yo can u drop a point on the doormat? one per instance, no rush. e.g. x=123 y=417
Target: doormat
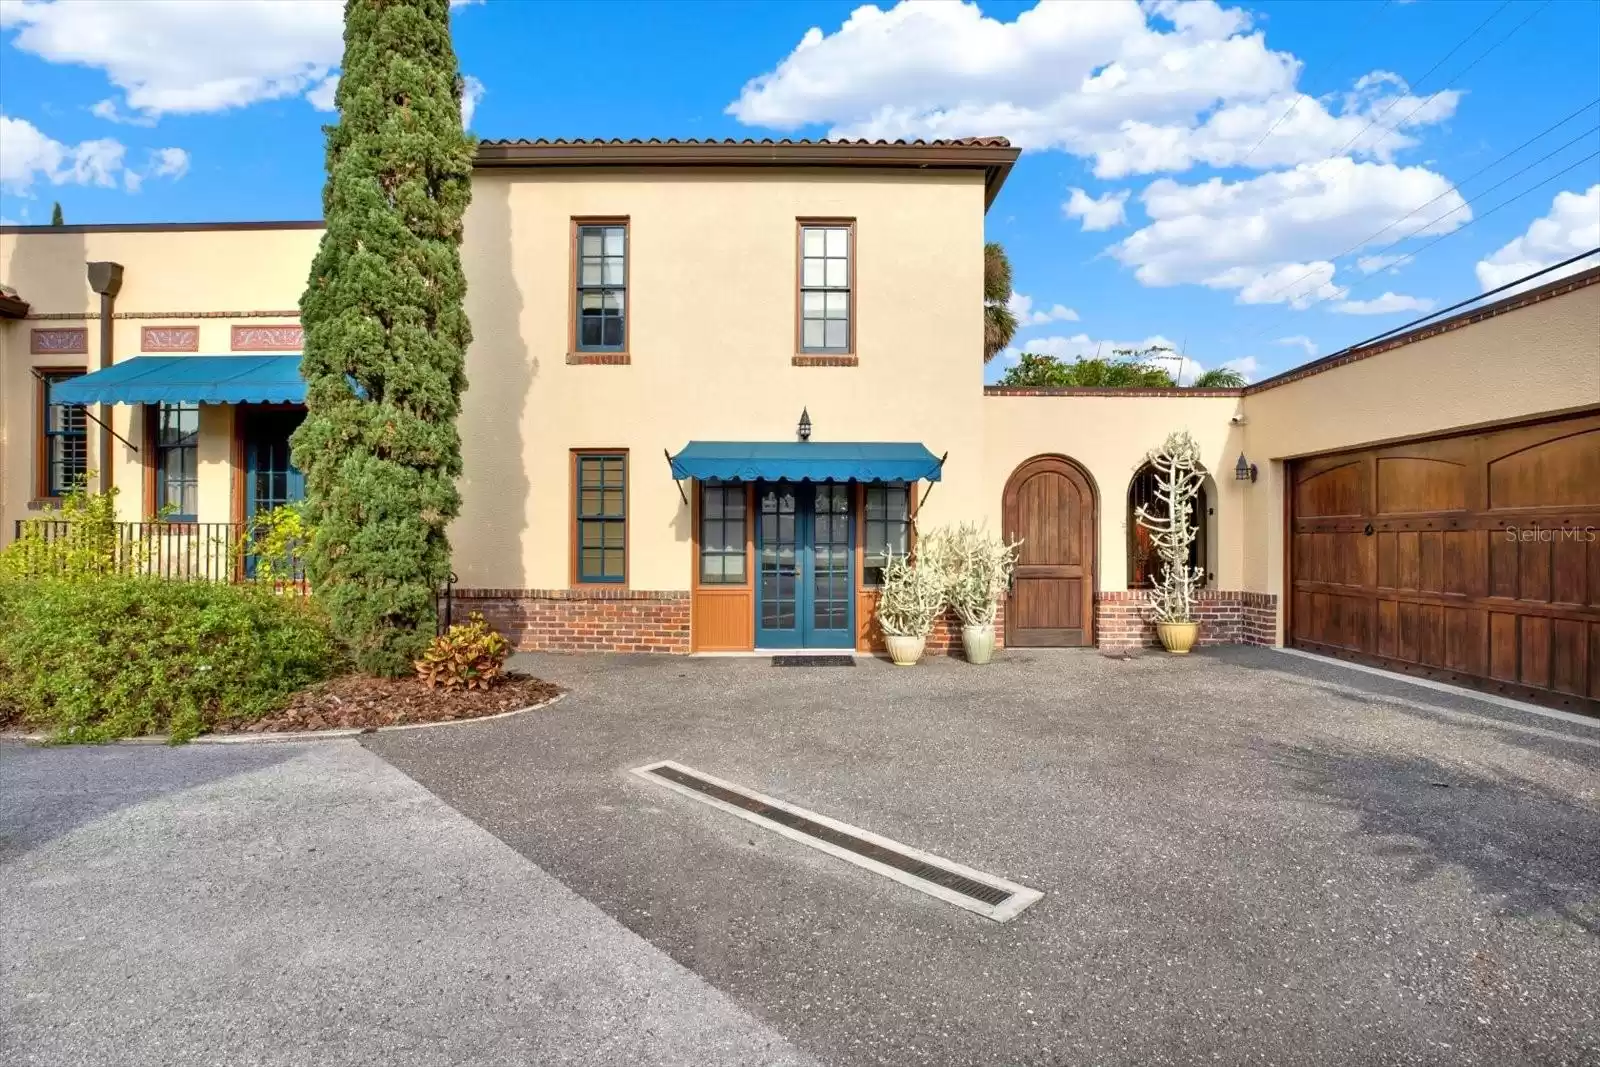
x=813 y=661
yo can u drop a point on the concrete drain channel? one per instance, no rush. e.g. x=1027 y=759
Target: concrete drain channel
x=990 y=896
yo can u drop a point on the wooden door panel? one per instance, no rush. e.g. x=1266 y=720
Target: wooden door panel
x=1050 y=504
x=1475 y=558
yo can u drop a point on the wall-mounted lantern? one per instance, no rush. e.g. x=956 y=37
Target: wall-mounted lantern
x=1244 y=470
x=804 y=429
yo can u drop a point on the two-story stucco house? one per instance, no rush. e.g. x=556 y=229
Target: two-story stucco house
x=712 y=384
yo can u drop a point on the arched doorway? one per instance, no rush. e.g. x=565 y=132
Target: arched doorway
x=1050 y=504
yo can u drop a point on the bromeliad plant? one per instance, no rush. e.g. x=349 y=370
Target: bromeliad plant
x=470 y=655
x=1171 y=525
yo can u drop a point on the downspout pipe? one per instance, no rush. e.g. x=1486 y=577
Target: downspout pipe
x=106 y=279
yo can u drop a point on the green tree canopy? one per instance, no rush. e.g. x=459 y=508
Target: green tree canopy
x=999 y=324
x=56 y=217
x=386 y=333
x=1219 y=378
x=1047 y=372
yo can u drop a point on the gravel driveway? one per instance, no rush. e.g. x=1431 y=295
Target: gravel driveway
x=1247 y=856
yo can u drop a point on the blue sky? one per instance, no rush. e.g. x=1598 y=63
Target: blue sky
x=1191 y=174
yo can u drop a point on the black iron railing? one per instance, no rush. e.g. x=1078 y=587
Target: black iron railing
x=187 y=551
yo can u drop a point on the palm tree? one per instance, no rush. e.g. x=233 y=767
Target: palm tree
x=1219 y=378
x=998 y=321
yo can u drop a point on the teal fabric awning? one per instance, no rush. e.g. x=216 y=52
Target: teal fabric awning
x=189 y=380
x=806 y=461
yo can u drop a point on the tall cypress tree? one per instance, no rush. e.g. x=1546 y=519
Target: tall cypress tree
x=385 y=333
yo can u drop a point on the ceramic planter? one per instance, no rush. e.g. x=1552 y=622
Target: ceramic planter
x=978 y=643
x=1178 y=637
x=904 y=651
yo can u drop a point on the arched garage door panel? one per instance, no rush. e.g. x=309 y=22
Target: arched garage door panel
x=1049 y=504
x=1473 y=559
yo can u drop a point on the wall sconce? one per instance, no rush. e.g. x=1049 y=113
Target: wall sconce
x=1244 y=470
x=804 y=429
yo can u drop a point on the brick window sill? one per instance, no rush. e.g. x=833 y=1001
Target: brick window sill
x=806 y=359
x=599 y=359
x=43 y=502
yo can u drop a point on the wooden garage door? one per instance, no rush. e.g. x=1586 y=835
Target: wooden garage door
x=1050 y=505
x=1473 y=559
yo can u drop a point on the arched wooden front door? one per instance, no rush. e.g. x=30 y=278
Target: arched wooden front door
x=1049 y=504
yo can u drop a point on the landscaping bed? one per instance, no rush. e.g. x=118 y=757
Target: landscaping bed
x=354 y=701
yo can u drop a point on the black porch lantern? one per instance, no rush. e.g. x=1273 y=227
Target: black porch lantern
x=1244 y=470
x=804 y=429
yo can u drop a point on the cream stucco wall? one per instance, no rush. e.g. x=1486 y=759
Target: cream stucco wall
x=1109 y=436
x=1530 y=361
x=712 y=293
x=211 y=279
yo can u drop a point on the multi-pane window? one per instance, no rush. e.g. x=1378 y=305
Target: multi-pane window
x=825 y=288
x=888 y=530
x=602 y=288
x=722 y=534
x=177 y=456
x=602 y=513
x=64 y=440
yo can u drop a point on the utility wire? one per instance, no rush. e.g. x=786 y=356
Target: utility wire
x=1454 y=188
x=1459 y=45
x=1298 y=96
x=1341 y=293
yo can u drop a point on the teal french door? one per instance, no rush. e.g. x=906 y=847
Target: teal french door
x=271 y=480
x=805 y=565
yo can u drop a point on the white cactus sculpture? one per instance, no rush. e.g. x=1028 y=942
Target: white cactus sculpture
x=1178 y=478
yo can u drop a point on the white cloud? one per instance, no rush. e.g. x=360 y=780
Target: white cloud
x=472 y=92
x=1021 y=306
x=1387 y=304
x=1373 y=264
x=1571 y=227
x=28 y=155
x=321 y=95
x=1097 y=213
x=186 y=56
x=1245 y=365
x=1141 y=89
x=1300 y=341
x=1080 y=346
x=169 y=163
x=1266 y=237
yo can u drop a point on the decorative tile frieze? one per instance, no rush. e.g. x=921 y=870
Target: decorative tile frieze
x=268 y=338
x=169 y=338
x=59 y=341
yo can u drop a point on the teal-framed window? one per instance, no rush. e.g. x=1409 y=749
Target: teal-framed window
x=177 y=461
x=601 y=316
x=888 y=527
x=827 y=274
x=722 y=534
x=600 y=507
x=63 y=437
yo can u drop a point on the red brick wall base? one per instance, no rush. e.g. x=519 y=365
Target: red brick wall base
x=583 y=620
x=945 y=640
x=1122 y=619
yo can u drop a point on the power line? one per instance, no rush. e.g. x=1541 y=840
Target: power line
x=1454 y=188
x=1459 y=45
x=1298 y=96
x=1341 y=293
x=1458 y=74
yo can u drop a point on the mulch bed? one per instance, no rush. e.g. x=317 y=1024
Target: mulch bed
x=355 y=701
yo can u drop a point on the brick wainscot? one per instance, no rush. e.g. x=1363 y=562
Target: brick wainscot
x=583 y=620
x=1122 y=620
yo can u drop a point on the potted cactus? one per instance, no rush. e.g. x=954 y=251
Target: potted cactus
x=911 y=599
x=977 y=568
x=1172 y=530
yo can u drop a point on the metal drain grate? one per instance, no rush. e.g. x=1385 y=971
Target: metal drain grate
x=995 y=898
x=813 y=661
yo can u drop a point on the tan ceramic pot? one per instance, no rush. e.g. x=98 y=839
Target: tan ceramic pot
x=1178 y=637
x=904 y=651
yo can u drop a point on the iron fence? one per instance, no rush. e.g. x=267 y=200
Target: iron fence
x=186 y=551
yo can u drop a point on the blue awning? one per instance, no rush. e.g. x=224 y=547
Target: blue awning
x=806 y=461
x=189 y=380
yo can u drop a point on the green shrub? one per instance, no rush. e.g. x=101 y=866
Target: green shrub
x=123 y=656
x=470 y=655
x=79 y=539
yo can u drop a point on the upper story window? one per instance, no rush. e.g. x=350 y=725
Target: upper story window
x=602 y=517
x=177 y=461
x=602 y=283
x=63 y=437
x=888 y=532
x=827 y=268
